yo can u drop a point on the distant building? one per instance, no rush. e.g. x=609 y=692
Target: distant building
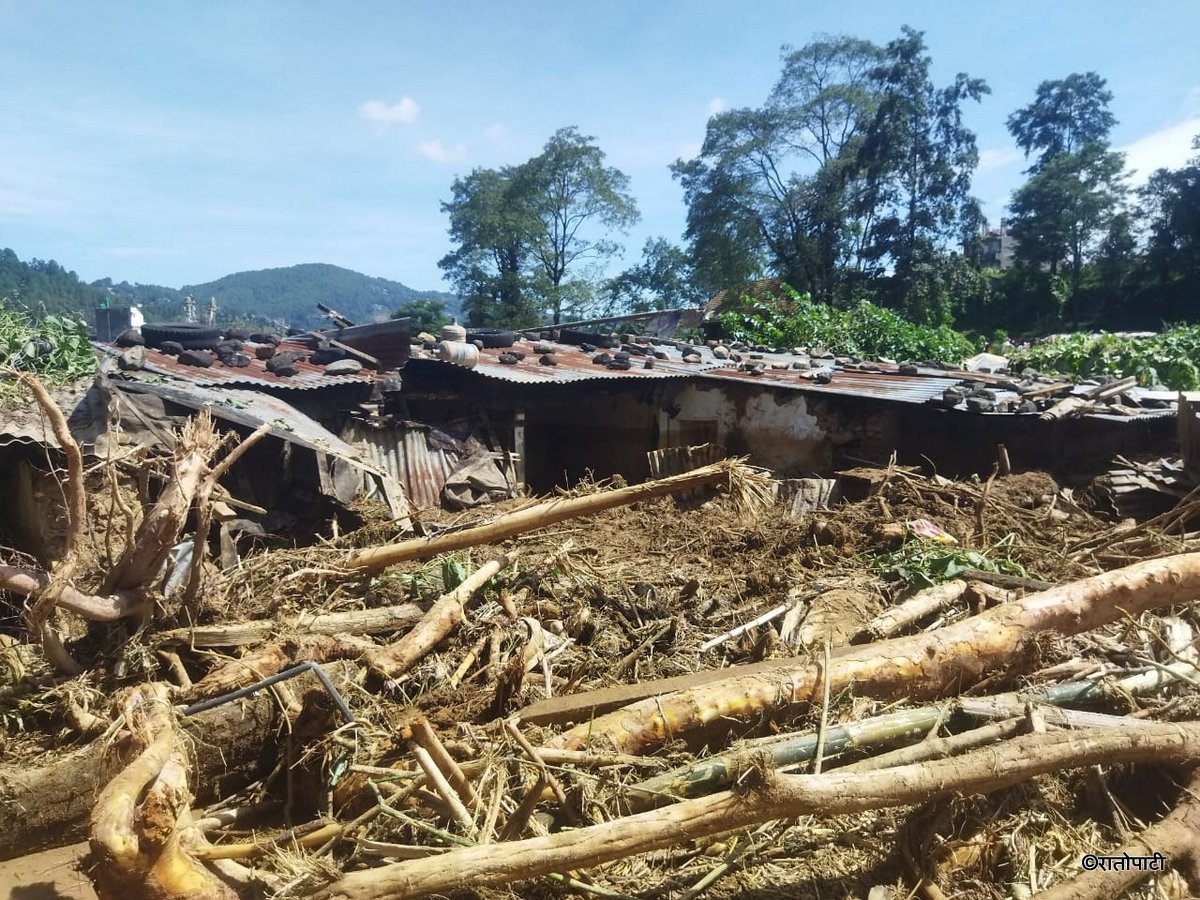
x=998 y=247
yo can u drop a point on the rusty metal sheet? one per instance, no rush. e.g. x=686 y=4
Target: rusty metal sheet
x=405 y=453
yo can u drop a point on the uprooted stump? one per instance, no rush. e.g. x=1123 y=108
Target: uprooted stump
x=141 y=827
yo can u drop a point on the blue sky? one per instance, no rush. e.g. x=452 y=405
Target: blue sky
x=173 y=143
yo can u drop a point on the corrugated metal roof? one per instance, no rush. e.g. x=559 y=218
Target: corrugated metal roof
x=882 y=385
x=573 y=366
x=878 y=380
x=308 y=377
x=404 y=452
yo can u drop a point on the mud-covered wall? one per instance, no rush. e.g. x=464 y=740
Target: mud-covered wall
x=785 y=430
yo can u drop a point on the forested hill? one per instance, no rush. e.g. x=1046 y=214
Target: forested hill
x=288 y=295
x=269 y=296
x=43 y=286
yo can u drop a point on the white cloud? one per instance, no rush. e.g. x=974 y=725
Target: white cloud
x=495 y=132
x=404 y=112
x=716 y=105
x=439 y=152
x=1169 y=148
x=993 y=160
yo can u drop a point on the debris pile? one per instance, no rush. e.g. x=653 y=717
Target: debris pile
x=870 y=685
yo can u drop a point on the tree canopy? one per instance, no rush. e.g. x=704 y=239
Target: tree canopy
x=530 y=239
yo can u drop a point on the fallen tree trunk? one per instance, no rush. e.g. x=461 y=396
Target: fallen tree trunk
x=747 y=485
x=357 y=621
x=764 y=799
x=397 y=658
x=48 y=806
x=919 y=666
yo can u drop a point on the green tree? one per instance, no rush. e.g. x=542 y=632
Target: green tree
x=1075 y=187
x=772 y=188
x=570 y=191
x=526 y=235
x=1065 y=116
x=1169 y=205
x=491 y=222
x=662 y=280
x=918 y=157
x=426 y=315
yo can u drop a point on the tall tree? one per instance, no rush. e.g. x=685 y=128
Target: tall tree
x=918 y=157
x=1065 y=116
x=526 y=235
x=769 y=191
x=1075 y=187
x=493 y=226
x=570 y=191
x=1169 y=205
x=663 y=279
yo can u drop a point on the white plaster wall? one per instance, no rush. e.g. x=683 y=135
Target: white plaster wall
x=774 y=427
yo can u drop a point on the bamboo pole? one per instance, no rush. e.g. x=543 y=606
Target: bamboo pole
x=376 y=559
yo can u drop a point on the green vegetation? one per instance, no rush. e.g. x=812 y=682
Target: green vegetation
x=1168 y=359
x=56 y=349
x=43 y=286
x=426 y=315
x=526 y=247
x=924 y=563
x=864 y=330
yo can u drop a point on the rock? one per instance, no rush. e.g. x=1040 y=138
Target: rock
x=171 y=348
x=1027 y=407
x=659 y=354
x=980 y=404
x=649 y=363
x=518 y=355
x=983 y=394
x=619 y=365
x=200 y=358
x=133 y=359
x=756 y=356
x=692 y=358
x=823 y=377
x=237 y=334
x=802 y=364
x=235 y=360
x=343 y=367
x=720 y=352
x=266 y=351
x=547 y=359
x=587 y=348
x=602 y=359
x=622 y=355
x=327 y=355
x=508 y=359
x=131 y=337
x=426 y=338
x=909 y=369
x=542 y=347
x=284 y=364
x=229 y=344
x=264 y=337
